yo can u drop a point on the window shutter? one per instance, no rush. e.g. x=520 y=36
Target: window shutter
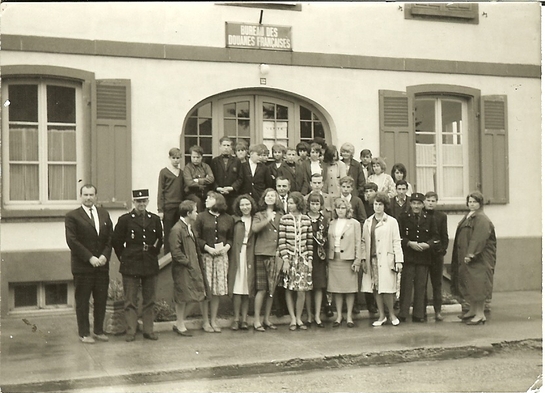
x=494 y=149
x=396 y=131
x=111 y=142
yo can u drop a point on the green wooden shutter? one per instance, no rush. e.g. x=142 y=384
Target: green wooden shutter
x=111 y=143
x=397 y=131
x=494 y=149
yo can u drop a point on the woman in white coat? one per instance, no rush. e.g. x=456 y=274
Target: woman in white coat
x=382 y=258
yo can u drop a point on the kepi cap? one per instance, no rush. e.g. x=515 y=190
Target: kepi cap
x=417 y=196
x=140 y=194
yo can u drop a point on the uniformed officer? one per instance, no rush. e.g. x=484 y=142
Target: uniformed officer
x=137 y=240
x=418 y=235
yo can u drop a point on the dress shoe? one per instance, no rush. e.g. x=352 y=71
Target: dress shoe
x=235 y=325
x=130 y=338
x=87 y=340
x=380 y=322
x=439 y=317
x=244 y=326
x=336 y=324
x=328 y=309
x=302 y=326
x=395 y=322
x=477 y=322
x=293 y=327
x=184 y=333
x=269 y=326
x=259 y=328
x=101 y=337
x=320 y=324
x=151 y=336
x=350 y=324
x=419 y=320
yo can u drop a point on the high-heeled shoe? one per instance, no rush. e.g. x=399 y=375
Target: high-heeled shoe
x=465 y=317
x=478 y=322
x=380 y=322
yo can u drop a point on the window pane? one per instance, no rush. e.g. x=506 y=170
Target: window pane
x=56 y=294
x=319 y=130
x=206 y=144
x=23 y=103
x=282 y=112
x=426 y=155
x=282 y=129
x=61 y=143
x=26 y=295
x=23 y=185
x=453 y=155
x=205 y=110
x=23 y=143
x=229 y=110
x=268 y=110
x=244 y=127
x=243 y=109
x=304 y=113
x=426 y=179
x=190 y=142
x=229 y=127
x=453 y=188
x=269 y=130
x=61 y=104
x=424 y=116
x=205 y=126
x=306 y=130
x=191 y=126
x=62 y=182
x=425 y=139
x=269 y=143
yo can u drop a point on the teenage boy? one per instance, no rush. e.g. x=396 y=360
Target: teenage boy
x=241 y=151
x=278 y=153
x=170 y=192
x=314 y=163
x=438 y=252
x=293 y=171
x=418 y=237
x=227 y=171
x=316 y=184
x=358 y=210
x=256 y=175
x=365 y=158
x=303 y=151
x=400 y=203
x=369 y=192
x=198 y=177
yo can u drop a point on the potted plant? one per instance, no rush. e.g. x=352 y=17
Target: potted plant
x=114 y=320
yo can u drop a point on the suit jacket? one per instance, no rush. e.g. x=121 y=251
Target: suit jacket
x=255 y=185
x=84 y=242
x=296 y=175
x=137 y=242
x=350 y=240
x=230 y=176
x=355 y=171
x=440 y=219
x=358 y=210
x=396 y=209
x=423 y=231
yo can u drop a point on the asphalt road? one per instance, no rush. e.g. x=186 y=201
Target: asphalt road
x=511 y=370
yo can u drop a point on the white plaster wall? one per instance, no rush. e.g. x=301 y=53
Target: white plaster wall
x=509 y=33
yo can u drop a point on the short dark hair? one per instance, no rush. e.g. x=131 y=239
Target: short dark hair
x=315 y=196
x=220 y=206
x=303 y=146
x=174 y=151
x=331 y=154
x=321 y=141
x=402 y=182
x=366 y=152
x=283 y=178
x=236 y=204
x=298 y=199
x=279 y=147
x=478 y=196
x=316 y=146
x=186 y=207
x=88 y=185
x=226 y=139
x=241 y=145
x=401 y=168
x=383 y=198
x=431 y=194
x=347 y=179
x=196 y=149
x=370 y=186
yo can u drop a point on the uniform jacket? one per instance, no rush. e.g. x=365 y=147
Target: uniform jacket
x=389 y=252
x=137 y=242
x=296 y=175
x=266 y=231
x=84 y=242
x=255 y=185
x=424 y=231
x=234 y=256
x=355 y=171
x=440 y=219
x=187 y=268
x=350 y=240
x=227 y=176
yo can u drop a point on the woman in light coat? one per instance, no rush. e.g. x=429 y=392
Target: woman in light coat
x=382 y=258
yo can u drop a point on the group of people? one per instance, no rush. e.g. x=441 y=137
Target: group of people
x=309 y=226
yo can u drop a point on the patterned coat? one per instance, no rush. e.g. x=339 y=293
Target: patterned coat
x=295 y=243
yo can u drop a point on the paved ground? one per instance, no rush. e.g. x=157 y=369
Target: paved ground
x=51 y=358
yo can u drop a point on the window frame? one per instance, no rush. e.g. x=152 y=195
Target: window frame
x=443 y=12
x=41 y=307
x=85 y=81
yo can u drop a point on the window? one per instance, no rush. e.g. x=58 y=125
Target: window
x=43 y=142
x=451 y=139
x=446 y=12
x=42 y=295
x=253 y=118
x=50 y=114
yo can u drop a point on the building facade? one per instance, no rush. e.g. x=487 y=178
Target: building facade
x=100 y=92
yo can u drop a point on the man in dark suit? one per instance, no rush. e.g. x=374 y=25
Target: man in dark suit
x=400 y=203
x=89 y=237
x=438 y=252
x=256 y=175
x=227 y=170
x=418 y=237
x=137 y=240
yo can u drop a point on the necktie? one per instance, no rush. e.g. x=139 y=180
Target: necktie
x=190 y=231
x=93 y=218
